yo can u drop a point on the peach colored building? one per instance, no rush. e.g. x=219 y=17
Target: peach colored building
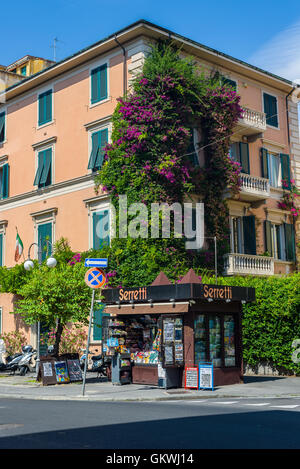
x=52 y=125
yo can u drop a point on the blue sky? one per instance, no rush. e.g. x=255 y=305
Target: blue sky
x=249 y=31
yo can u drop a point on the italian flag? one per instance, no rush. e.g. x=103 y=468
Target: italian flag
x=19 y=248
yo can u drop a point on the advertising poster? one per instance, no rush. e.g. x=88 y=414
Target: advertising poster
x=74 y=369
x=61 y=370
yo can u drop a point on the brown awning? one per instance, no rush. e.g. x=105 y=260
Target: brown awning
x=159 y=308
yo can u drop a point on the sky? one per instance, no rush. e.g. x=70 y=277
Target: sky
x=261 y=32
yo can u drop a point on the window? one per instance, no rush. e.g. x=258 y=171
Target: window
x=243 y=235
x=2 y=127
x=239 y=151
x=215 y=339
x=98 y=141
x=24 y=70
x=99 y=84
x=4 y=178
x=280 y=241
x=276 y=168
x=101 y=229
x=229 y=82
x=45 y=107
x=270 y=109
x=44 y=235
x=43 y=174
x=191 y=150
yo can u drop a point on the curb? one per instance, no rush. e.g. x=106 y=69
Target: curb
x=142 y=399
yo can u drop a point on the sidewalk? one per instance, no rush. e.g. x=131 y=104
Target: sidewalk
x=98 y=389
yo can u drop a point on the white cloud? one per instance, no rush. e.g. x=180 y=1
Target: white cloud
x=281 y=55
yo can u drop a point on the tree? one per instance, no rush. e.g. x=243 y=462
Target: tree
x=55 y=296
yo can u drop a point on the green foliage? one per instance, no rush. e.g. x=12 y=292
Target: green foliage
x=271 y=324
x=57 y=294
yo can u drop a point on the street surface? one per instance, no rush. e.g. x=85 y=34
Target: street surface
x=235 y=423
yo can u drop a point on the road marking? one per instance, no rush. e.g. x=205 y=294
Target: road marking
x=259 y=404
x=285 y=406
x=226 y=402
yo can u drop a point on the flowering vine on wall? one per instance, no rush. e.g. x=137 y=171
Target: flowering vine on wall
x=148 y=160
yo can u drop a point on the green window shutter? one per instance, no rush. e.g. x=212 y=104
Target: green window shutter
x=94 y=152
x=4 y=181
x=102 y=139
x=45 y=107
x=264 y=163
x=99 y=84
x=289 y=242
x=98 y=322
x=40 y=168
x=268 y=237
x=2 y=127
x=1 y=254
x=270 y=109
x=101 y=224
x=249 y=235
x=244 y=157
x=44 y=235
x=45 y=178
x=285 y=169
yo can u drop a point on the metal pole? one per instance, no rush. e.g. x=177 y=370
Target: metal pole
x=88 y=342
x=216 y=260
x=39 y=323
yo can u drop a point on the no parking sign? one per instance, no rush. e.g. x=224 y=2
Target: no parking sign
x=95 y=278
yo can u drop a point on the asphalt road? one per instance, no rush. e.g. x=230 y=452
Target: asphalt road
x=206 y=424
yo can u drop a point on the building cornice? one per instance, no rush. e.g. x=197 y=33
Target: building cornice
x=152 y=31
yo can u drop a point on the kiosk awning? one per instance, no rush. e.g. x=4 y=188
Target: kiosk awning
x=155 y=308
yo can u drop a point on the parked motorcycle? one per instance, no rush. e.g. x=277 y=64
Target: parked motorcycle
x=96 y=363
x=27 y=361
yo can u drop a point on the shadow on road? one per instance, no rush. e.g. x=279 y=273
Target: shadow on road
x=243 y=430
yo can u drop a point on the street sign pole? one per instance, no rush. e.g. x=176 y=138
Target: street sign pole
x=88 y=342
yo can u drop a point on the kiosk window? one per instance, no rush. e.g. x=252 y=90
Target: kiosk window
x=215 y=339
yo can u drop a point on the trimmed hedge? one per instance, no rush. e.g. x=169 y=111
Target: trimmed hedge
x=272 y=322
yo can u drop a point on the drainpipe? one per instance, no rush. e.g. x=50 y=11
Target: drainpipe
x=289 y=142
x=124 y=66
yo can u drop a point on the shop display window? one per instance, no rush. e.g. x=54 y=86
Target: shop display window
x=138 y=336
x=215 y=342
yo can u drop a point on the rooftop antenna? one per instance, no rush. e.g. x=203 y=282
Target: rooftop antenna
x=54 y=47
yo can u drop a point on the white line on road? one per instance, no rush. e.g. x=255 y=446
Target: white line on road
x=225 y=402
x=285 y=406
x=259 y=403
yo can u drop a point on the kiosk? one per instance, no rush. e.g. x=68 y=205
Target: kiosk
x=166 y=327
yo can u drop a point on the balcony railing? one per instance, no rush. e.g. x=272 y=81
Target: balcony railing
x=252 y=122
x=246 y=264
x=254 y=187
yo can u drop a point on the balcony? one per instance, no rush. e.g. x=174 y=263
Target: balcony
x=246 y=264
x=252 y=123
x=254 y=187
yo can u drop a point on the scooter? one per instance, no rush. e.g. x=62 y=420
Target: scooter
x=26 y=363
x=11 y=363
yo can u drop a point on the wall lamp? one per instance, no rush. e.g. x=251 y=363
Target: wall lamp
x=172 y=300
x=132 y=303
x=228 y=300
x=151 y=302
x=210 y=300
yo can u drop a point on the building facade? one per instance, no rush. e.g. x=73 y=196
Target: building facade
x=54 y=123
